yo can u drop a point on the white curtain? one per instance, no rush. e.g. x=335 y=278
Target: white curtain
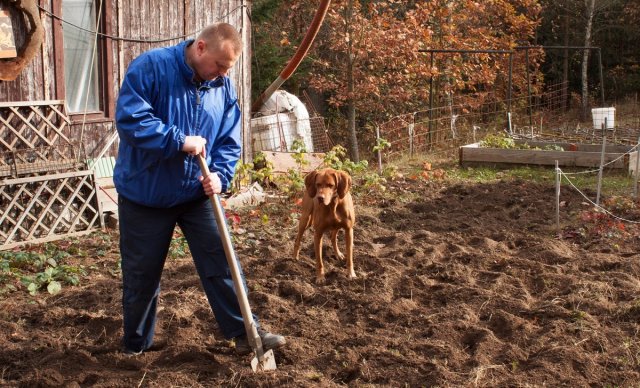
x=81 y=76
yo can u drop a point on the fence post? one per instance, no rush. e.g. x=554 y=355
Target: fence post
x=637 y=173
x=410 y=129
x=604 y=141
x=379 y=151
x=558 y=178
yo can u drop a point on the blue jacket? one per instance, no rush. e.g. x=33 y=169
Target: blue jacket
x=157 y=107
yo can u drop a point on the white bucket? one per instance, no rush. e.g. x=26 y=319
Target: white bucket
x=599 y=114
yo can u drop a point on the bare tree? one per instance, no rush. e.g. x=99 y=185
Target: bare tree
x=590 y=6
x=592 y=9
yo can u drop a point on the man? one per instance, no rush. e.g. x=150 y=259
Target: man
x=176 y=103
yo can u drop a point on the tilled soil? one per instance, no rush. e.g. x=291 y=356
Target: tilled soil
x=458 y=284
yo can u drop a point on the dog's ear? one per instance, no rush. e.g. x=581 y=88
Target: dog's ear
x=344 y=183
x=310 y=183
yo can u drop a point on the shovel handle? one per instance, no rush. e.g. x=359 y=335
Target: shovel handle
x=247 y=317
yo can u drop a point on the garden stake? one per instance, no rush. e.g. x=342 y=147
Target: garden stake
x=262 y=360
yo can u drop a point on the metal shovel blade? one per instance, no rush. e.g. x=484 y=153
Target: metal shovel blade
x=268 y=362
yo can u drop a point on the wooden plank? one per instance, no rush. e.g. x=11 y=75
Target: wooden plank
x=106 y=68
x=45 y=166
x=474 y=155
x=283 y=161
x=58 y=49
x=19 y=181
x=45 y=239
x=577 y=146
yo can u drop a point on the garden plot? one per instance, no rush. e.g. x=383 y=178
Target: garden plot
x=546 y=154
x=459 y=285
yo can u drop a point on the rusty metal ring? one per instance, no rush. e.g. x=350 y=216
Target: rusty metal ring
x=11 y=67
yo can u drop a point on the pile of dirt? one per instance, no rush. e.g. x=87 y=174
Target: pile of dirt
x=458 y=284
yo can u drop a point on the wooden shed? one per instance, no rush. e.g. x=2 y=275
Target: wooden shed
x=57 y=113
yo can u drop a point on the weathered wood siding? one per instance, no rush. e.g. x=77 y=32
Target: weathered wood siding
x=166 y=21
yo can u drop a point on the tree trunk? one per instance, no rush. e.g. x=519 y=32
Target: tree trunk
x=351 y=104
x=589 y=9
x=565 y=65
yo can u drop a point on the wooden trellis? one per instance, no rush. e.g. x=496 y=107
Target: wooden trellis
x=48 y=207
x=46 y=190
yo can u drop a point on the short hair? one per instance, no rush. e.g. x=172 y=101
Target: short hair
x=217 y=33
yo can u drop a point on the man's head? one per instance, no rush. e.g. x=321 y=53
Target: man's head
x=214 y=51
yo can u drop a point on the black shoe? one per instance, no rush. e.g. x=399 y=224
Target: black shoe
x=131 y=353
x=269 y=341
x=156 y=346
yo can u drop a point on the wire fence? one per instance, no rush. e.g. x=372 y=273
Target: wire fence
x=539 y=119
x=445 y=128
x=542 y=117
x=278 y=132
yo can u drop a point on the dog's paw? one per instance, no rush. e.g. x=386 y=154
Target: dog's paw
x=320 y=279
x=340 y=256
x=352 y=274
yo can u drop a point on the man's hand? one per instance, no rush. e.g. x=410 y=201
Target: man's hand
x=211 y=184
x=194 y=145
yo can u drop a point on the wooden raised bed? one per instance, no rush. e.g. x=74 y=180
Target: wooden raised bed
x=574 y=155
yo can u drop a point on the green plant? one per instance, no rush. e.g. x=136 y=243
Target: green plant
x=381 y=144
x=38 y=270
x=374 y=182
x=299 y=151
x=337 y=159
x=293 y=182
x=259 y=170
x=553 y=147
x=498 y=141
x=179 y=247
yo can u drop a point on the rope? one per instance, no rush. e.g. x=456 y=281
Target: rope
x=117 y=38
x=108 y=195
x=594 y=204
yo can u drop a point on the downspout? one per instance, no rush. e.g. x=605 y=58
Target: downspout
x=297 y=57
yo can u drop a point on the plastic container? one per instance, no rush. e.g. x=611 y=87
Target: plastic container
x=599 y=115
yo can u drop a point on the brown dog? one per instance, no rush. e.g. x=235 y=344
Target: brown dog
x=328 y=206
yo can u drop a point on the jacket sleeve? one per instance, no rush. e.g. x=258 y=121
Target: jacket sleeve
x=136 y=120
x=228 y=145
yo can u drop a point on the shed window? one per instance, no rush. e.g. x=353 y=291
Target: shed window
x=81 y=56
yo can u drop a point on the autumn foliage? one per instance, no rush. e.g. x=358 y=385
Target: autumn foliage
x=381 y=42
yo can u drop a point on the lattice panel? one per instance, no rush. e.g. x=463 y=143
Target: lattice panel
x=45 y=208
x=38 y=161
x=30 y=125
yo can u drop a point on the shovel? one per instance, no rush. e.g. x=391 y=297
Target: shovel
x=262 y=360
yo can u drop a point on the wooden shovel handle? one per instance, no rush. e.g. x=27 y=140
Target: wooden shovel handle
x=249 y=323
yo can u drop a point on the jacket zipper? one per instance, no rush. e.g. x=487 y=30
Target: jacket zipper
x=193 y=131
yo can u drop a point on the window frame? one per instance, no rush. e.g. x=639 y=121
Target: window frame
x=105 y=66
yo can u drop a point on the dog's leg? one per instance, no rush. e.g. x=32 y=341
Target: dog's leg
x=349 y=242
x=317 y=244
x=296 y=245
x=334 y=241
x=305 y=220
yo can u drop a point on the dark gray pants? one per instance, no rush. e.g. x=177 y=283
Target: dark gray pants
x=145 y=237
